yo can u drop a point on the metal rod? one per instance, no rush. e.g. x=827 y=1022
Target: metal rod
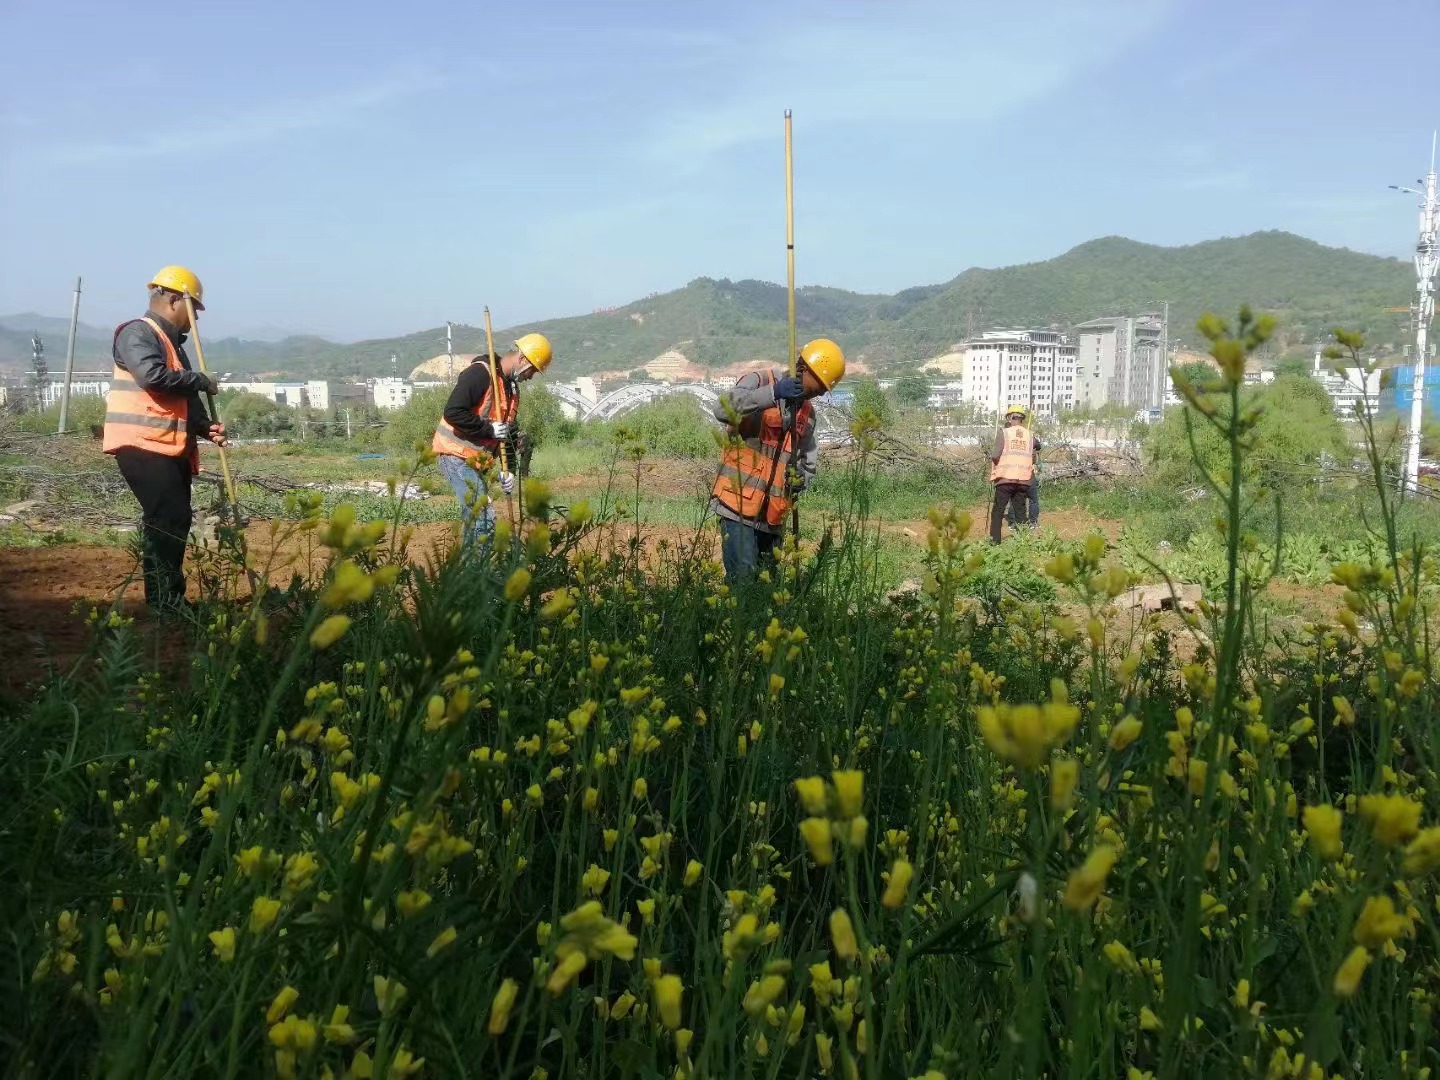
x=1427 y=260
x=214 y=412
x=790 y=236
x=69 y=363
x=495 y=406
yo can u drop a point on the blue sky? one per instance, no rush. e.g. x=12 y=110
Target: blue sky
x=386 y=167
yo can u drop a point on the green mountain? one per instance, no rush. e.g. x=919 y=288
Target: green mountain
x=1310 y=287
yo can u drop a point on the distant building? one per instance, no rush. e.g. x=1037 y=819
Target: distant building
x=1121 y=361
x=85 y=384
x=390 y=393
x=314 y=394
x=1034 y=368
x=946 y=395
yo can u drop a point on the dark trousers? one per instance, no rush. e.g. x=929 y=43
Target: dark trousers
x=745 y=551
x=1008 y=495
x=162 y=486
x=1015 y=519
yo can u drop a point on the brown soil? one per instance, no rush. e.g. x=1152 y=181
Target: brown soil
x=1069 y=524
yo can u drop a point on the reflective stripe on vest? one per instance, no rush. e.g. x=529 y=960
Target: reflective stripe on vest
x=145 y=419
x=743 y=480
x=1017 y=457
x=449 y=441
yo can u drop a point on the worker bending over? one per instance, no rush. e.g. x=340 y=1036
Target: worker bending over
x=1012 y=467
x=153 y=416
x=770 y=456
x=477 y=419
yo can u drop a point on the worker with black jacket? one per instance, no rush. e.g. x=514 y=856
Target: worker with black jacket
x=153 y=415
x=478 y=417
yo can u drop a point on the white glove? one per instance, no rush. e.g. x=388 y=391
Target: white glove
x=507 y=483
x=501 y=429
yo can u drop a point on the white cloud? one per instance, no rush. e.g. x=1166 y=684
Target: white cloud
x=260 y=124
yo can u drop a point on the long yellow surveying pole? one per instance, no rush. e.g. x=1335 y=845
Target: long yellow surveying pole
x=214 y=413
x=790 y=298
x=495 y=406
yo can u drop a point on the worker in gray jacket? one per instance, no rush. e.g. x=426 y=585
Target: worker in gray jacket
x=770 y=455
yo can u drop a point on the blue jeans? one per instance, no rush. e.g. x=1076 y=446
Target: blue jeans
x=469 y=486
x=745 y=551
x=1034 y=507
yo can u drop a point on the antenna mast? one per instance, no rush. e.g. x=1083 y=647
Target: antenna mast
x=1427 y=259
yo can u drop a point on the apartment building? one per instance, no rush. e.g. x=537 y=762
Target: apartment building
x=1035 y=368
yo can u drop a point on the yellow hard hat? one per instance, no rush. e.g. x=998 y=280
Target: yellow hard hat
x=536 y=349
x=180 y=280
x=824 y=358
x=1016 y=410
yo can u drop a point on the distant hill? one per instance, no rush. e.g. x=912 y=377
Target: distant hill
x=716 y=322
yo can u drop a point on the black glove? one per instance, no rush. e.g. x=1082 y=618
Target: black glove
x=789 y=389
x=208 y=385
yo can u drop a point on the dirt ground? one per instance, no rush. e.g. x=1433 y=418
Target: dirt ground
x=47 y=592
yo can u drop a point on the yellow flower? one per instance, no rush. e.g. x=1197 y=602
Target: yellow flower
x=1241 y=997
x=263 y=913
x=1379 y=922
x=668 y=990
x=223 y=942
x=811 y=790
x=1422 y=854
x=842 y=933
x=1344 y=711
x=330 y=631
x=410 y=902
x=443 y=941
x=560 y=603
x=822 y=1052
x=693 y=870
x=1393 y=819
x=518 y=584
x=1087 y=881
x=350 y=585
x=640 y=789
x=1063 y=775
x=849 y=791
x=1348 y=975
x=594 y=880
x=1323 y=825
x=388 y=994
x=1125 y=732
x=1148 y=1020
x=762 y=992
x=501 y=1005
x=337 y=1031
x=281 y=1003
x=647 y=911
x=899 y=884
x=816 y=831
x=1122 y=958
x=1025 y=734
x=535 y=795
x=777 y=683
x=623 y=1004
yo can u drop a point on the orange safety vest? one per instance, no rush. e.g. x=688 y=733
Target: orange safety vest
x=145 y=419
x=1017 y=457
x=746 y=469
x=449 y=441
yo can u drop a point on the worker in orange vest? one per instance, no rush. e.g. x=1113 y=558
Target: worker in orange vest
x=476 y=420
x=771 y=455
x=1012 y=467
x=153 y=415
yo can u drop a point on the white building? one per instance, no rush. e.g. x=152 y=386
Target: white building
x=946 y=395
x=1349 y=389
x=1034 y=368
x=390 y=393
x=1121 y=361
x=85 y=384
x=314 y=394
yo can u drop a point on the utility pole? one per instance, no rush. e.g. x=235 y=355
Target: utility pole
x=1164 y=365
x=348 y=434
x=1427 y=258
x=69 y=362
x=449 y=350
x=40 y=369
